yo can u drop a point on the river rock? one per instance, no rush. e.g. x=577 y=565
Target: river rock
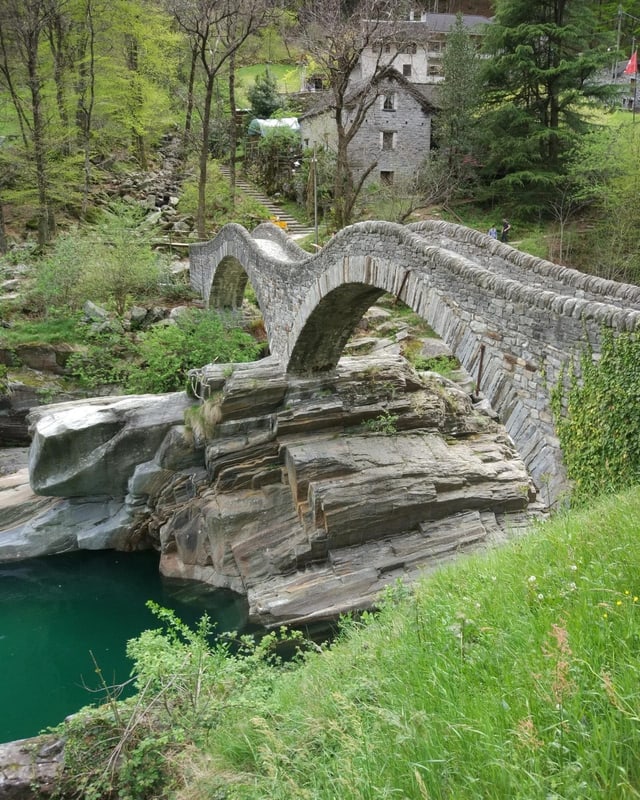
x=89 y=447
x=305 y=495
x=321 y=492
x=30 y=768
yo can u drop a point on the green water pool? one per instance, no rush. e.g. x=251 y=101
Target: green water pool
x=58 y=614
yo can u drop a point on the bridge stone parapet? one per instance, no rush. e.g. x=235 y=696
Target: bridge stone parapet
x=512 y=320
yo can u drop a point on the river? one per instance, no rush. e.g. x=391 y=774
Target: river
x=58 y=614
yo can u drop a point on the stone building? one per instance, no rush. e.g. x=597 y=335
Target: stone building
x=417 y=46
x=396 y=133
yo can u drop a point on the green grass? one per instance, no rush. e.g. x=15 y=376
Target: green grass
x=8 y=120
x=513 y=674
x=57 y=330
x=286 y=75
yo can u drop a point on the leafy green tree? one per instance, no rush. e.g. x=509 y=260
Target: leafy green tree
x=451 y=168
x=263 y=96
x=602 y=183
x=107 y=263
x=273 y=163
x=22 y=28
x=215 y=29
x=542 y=72
x=123 y=262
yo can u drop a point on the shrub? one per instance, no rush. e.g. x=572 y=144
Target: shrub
x=167 y=353
x=598 y=418
x=107 y=263
x=263 y=95
x=104 y=361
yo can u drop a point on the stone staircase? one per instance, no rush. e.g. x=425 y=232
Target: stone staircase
x=288 y=223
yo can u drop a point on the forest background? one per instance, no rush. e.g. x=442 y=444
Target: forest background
x=530 y=128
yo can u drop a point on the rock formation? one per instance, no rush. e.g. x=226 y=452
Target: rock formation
x=30 y=768
x=308 y=496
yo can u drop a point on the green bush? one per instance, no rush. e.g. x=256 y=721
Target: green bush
x=165 y=354
x=107 y=262
x=105 y=361
x=185 y=680
x=598 y=418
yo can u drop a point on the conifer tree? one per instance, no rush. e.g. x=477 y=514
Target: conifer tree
x=544 y=65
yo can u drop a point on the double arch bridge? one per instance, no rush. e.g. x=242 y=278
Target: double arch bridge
x=512 y=320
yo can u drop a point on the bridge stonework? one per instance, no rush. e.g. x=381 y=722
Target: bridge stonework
x=512 y=320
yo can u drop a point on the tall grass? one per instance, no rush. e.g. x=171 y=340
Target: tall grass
x=512 y=674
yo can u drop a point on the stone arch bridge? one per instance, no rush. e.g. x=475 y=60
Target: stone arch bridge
x=511 y=319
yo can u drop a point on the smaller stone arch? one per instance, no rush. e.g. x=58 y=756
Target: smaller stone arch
x=229 y=284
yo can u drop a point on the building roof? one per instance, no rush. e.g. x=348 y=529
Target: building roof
x=262 y=126
x=425 y=24
x=424 y=94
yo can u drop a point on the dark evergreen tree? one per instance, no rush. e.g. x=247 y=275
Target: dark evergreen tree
x=451 y=167
x=546 y=64
x=263 y=96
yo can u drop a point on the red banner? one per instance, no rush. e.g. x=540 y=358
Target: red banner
x=632 y=66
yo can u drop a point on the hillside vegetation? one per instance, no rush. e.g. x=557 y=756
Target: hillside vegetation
x=512 y=674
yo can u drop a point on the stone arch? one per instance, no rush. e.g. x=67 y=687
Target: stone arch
x=229 y=283
x=327 y=330
x=512 y=320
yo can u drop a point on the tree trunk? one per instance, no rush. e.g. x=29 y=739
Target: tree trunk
x=136 y=101
x=45 y=214
x=84 y=113
x=233 y=132
x=57 y=45
x=190 y=94
x=204 y=157
x=4 y=244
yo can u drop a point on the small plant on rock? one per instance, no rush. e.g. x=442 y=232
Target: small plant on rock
x=384 y=423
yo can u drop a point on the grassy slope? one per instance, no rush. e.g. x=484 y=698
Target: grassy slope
x=513 y=674
x=286 y=75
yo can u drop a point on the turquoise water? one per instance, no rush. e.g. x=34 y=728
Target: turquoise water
x=56 y=612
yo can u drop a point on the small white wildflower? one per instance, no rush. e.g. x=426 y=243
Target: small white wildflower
x=532 y=579
x=540 y=596
x=573 y=567
x=572 y=586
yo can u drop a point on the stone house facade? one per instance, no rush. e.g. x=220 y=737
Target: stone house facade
x=396 y=134
x=417 y=46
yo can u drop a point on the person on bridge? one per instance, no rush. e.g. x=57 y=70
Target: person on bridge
x=493 y=232
x=506 y=227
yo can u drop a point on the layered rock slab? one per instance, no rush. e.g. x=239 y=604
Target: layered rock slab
x=310 y=510
x=307 y=496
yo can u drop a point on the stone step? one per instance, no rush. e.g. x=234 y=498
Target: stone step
x=289 y=223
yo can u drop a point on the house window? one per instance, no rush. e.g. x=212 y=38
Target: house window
x=406 y=70
x=389 y=102
x=386 y=177
x=388 y=142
